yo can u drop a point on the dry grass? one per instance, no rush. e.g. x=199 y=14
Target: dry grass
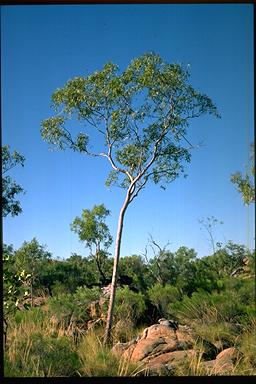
x=97 y=359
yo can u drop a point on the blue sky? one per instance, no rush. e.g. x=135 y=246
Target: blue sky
x=44 y=46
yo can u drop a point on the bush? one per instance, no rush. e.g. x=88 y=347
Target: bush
x=129 y=305
x=33 y=316
x=72 y=307
x=195 y=307
x=235 y=304
x=162 y=297
x=222 y=333
x=33 y=352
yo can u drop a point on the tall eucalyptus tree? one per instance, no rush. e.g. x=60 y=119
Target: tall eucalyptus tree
x=141 y=116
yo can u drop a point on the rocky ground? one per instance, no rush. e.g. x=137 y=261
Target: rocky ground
x=162 y=351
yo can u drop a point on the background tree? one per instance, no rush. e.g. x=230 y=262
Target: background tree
x=141 y=116
x=208 y=224
x=245 y=183
x=31 y=256
x=161 y=264
x=184 y=259
x=9 y=187
x=13 y=286
x=134 y=267
x=92 y=229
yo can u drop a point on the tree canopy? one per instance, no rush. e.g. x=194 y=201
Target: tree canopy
x=9 y=187
x=245 y=183
x=92 y=229
x=142 y=115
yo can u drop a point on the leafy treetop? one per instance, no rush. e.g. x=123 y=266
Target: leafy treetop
x=91 y=227
x=245 y=183
x=142 y=115
x=9 y=187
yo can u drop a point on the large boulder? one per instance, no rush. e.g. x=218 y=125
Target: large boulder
x=162 y=351
x=148 y=347
x=224 y=363
x=166 y=363
x=155 y=340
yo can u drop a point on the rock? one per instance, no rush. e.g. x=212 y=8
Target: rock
x=165 y=364
x=147 y=347
x=224 y=362
x=229 y=355
x=169 y=323
x=161 y=350
x=174 y=357
x=119 y=348
x=155 y=340
x=159 y=330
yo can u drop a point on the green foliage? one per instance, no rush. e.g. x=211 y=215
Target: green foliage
x=92 y=229
x=234 y=303
x=226 y=259
x=195 y=307
x=35 y=350
x=9 y=187
x=245 y=183
x=40 y=341
x=97 y=359
x=32 y=257
x=41 y=356
x=162 y=297
x=129 y=304
x=142 y=111
x=224 y=333
x=173 y=268
x=247 y=346
x=134 y=267
x=13 y=282
x=34 y=317
x=69 y=308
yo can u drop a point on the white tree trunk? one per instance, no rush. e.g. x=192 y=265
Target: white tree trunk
x=115 y=267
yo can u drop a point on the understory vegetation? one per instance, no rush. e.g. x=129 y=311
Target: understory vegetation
x=55 y=310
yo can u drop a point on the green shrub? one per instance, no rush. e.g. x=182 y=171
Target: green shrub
x=33 y=316
x=67 y=307
x=223 y=334
x=195 y=307
x=229 y=305
x=129 y=305
x=163 y=296
x=59 y=288
x=36 y=354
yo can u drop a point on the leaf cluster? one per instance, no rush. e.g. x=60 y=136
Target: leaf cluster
x=10 y=205
x=245 y=184
x=91 y=227
x=140 y=114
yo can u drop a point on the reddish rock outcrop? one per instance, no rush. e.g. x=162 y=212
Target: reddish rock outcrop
x=224 y=362
x=160 y=350
x=155 y=340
